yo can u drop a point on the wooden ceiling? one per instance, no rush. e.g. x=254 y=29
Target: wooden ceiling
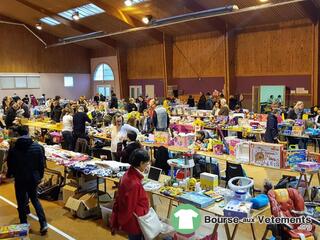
x=118 y=17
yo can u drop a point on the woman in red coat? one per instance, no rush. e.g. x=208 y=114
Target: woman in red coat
x=132 y=198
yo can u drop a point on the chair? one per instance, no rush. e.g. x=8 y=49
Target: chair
x=81 y=146
x=236 y=170
x=289 y=203
x=161 y=156
x=233 y=170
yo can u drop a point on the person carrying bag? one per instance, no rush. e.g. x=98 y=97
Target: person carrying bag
x=131 y=200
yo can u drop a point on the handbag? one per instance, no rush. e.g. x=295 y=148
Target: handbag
x=150 y=224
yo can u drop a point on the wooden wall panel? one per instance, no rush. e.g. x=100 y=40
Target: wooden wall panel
x=145 y=62
x=283 y=49
x=20 y=51
x=198 y=55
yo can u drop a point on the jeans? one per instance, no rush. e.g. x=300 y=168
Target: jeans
x=68 y=140
x=25 y=191
x=135 y=237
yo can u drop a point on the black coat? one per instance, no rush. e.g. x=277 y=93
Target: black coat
x=143 y=106
x=56 y=113
x=131 y=107
x=79 y=123
x=202 y=102
x=26 y=110
x=114 y=102
x=292 y=114
x=10 y=117
x=26 y=161
x=272 y=129
x=190 y=102
x=128 y=150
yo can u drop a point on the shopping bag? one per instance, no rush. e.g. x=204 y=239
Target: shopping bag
x=150 y=224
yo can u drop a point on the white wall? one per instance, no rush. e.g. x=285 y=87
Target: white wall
x=113 y=63
x=52 y=84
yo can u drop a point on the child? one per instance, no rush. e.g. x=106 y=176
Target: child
x=131 y=145
x=146 y=122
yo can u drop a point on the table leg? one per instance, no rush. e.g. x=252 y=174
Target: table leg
x=318 y=177
x=215 y=230
x=98 y=192
x=226 y=226
x=234 y=232
x=253 y=232
x=210 y=164
x=307 y=185
x=299 y=181
x=169 y=209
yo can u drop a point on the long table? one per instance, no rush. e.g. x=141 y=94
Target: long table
x=43 y=125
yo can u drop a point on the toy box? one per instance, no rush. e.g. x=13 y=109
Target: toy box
x=314 y=157
x=197 y=199
x=266 y=154
x=309 y=166
x=184 y=140
x=242 y=152
x=236 y=208
x=14 y=231
x=232 y=142
x=293 y=157
x=209 y=181
x=161 y=137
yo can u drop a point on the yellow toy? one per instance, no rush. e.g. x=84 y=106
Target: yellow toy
x=192 y=184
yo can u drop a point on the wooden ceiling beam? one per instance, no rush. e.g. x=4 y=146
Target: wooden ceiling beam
x=311 y=10
x=126 y=19
x=83 y=29
x=215 y=22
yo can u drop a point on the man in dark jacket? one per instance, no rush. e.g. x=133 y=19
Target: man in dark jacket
x=209 y=102
x=143 y=105
x=56 y=111
x=114 y=101
x=190 y=101
x=25 y=108
x=271 y=135
x=202 y=102
x=129 y=146
x=11 y=115
x=26 y=162
x=79 y=124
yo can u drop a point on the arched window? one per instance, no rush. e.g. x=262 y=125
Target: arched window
x=103 y=73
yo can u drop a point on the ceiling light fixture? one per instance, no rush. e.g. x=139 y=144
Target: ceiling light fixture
x=38 y=26
x=128 y=3
x=147 y=19
x=194 y=15
x=76 y=16
x=263 y=1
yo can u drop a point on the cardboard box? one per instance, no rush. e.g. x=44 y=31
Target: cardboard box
x=83 y=206
x=236 y=208
x=266 y=154
x=161 y=137
x=209 y=181
x=68 y=191
x=87 y=183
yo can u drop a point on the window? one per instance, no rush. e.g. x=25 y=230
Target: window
x=103 y=72
x=84 y=11
x=68 y=81
x=50 y=21
x=105 y=90
x=19 y=81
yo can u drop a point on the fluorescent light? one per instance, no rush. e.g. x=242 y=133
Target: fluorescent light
x=83 y=11
x=50 y=21
x=147 y=19
x=75 y=16
x=38 y=26
x=263 y=1
x=128 y=3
